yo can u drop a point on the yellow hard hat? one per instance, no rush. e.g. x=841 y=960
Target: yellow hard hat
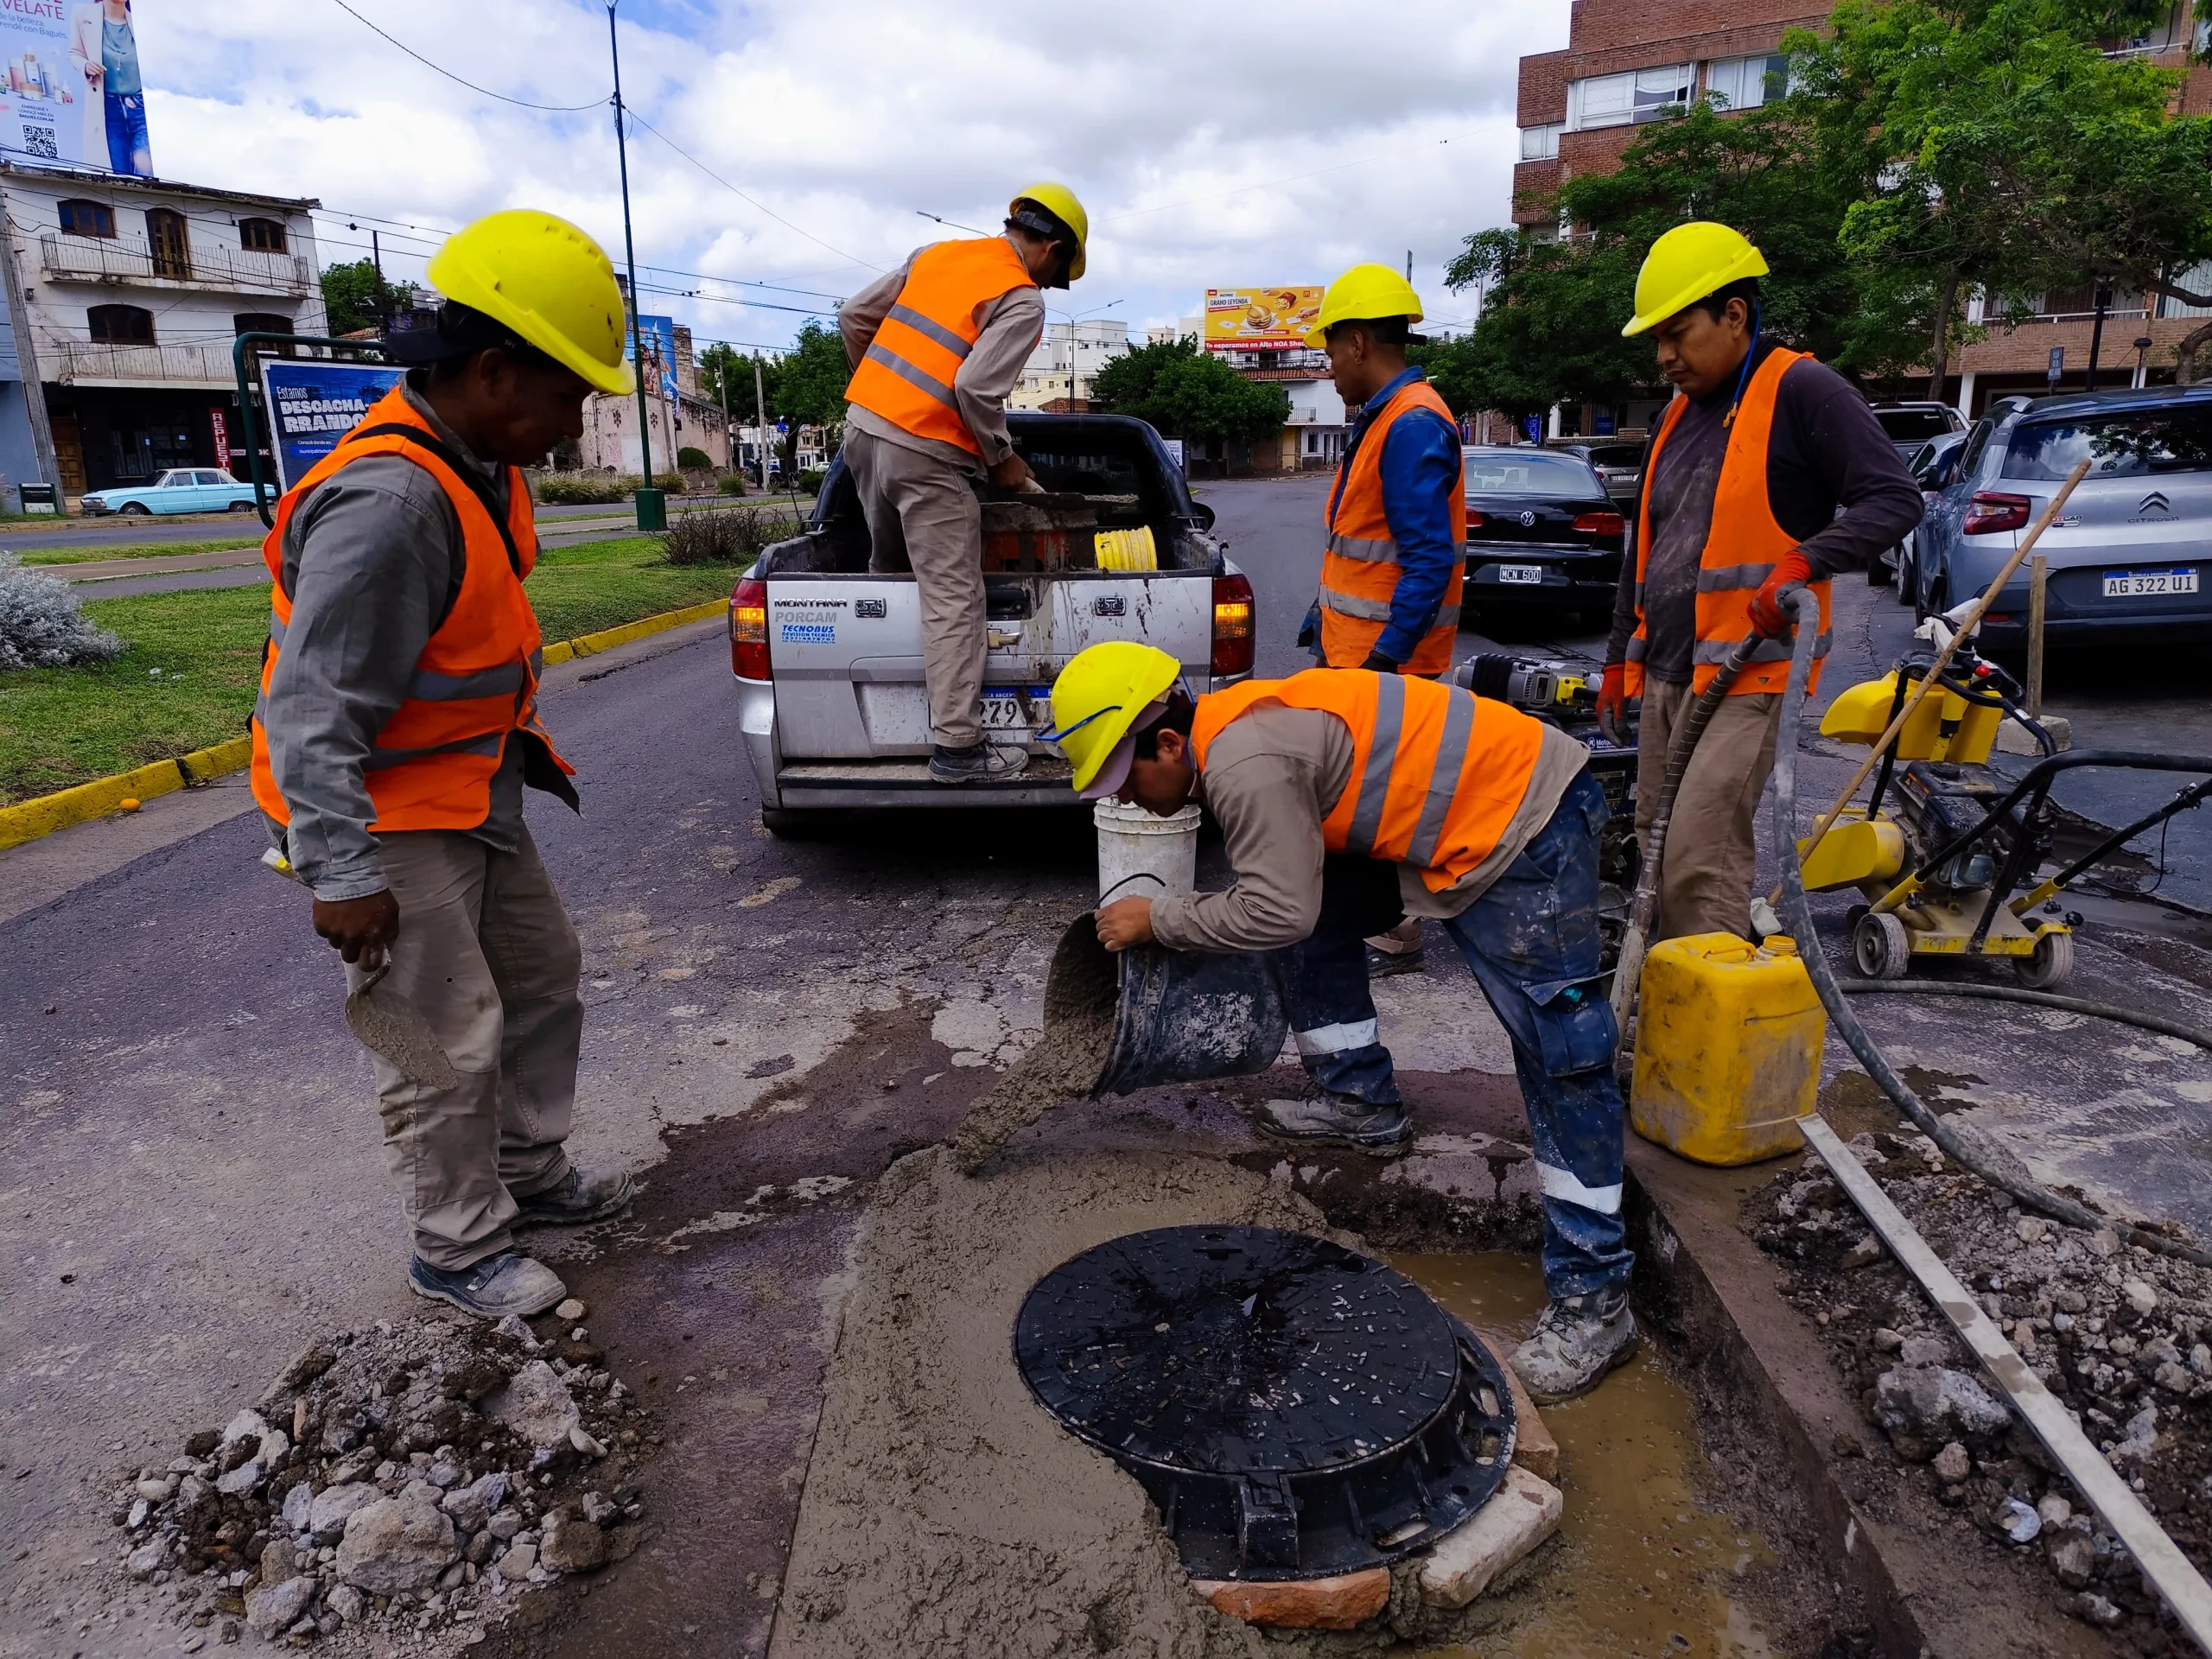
x=1059 y=201
x=547 y=281
x=1098 y=698
x=1361 y=295
x=1688 y=263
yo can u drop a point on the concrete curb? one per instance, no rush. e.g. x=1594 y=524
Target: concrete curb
x=28 y=820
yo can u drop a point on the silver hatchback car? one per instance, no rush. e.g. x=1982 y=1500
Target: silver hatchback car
x=2131 y=557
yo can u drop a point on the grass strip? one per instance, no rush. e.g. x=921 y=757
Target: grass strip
x=149 y=550
x=189 y=676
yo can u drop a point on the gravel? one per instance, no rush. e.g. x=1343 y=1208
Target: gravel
x=2121 y=1336
x=369 y=1491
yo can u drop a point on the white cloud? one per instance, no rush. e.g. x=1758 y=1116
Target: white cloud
x=1371 y=134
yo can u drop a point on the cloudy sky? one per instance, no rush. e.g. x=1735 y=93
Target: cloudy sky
x=1214 y=146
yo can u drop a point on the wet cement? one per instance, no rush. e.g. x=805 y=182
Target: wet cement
x=1082 y=995
x=945 y=1513
x=1641 y=1565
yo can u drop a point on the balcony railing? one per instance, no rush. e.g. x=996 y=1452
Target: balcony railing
x=71 y=361
x=241 y=270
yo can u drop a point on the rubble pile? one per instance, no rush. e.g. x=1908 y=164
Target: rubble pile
x=400 y=1480
x=2122 y=1337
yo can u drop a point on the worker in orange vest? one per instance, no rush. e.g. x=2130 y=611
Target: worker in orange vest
x=1348 y=798
x=1397 y=517
x=936 y=347
x=398 y=727
x=1767 y=470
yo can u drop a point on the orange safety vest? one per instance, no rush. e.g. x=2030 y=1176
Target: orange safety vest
x=1741 y=548
x=1360 y=572
x=476 y=681
x=906 y=374
x=1437 y=772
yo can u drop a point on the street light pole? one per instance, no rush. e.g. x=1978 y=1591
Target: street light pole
x=652 y=505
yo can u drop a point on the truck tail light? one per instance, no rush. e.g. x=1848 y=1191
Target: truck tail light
x=1233 y=644
x=748 y=631
x=1598 y=523
x=1992 y=511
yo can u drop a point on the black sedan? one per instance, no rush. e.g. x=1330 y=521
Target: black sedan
x=1542 y=532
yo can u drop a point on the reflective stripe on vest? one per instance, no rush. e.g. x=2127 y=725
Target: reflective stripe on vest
x=1742 y=546
x=1362 y=564
x=906 y=374
x=474 y=684
x=1437 y=772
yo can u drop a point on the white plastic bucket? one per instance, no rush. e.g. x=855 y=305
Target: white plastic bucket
x=1140 y=857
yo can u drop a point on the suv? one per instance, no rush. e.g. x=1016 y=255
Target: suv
x=2129 y=556
x=1911 y=425
x=828 y=654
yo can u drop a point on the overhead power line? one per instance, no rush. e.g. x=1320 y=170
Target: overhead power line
x=1290 y=178
x=742 y=196
x=519 y=103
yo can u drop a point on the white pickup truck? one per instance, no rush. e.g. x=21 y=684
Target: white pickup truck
x=828 y=655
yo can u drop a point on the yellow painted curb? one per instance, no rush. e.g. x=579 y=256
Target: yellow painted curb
x=28 y=820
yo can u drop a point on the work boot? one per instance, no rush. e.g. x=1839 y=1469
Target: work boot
x=978 y=762
x=1398 y=952
x=1578 y=1339
x=1323 y=1119
x=492 y=1289
x=576 y=1198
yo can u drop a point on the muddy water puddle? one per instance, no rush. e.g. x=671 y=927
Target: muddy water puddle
x=1641 y=1567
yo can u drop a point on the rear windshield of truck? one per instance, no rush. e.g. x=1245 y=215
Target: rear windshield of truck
x=1905 y=424
x=2127 y=443
x=1086 y=472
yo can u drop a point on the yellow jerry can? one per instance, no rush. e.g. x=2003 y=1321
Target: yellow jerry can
x=1728 y=1041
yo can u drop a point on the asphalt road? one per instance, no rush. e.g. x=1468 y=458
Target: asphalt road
x=192 y=1176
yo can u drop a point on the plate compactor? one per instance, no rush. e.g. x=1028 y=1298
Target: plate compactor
x=1946 y=848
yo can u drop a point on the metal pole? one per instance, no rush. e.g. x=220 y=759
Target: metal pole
x=652 y=513
x=729 y=430
x=760 y=421
x=2097 y=336
x=2143 y=362
x=2038 y=596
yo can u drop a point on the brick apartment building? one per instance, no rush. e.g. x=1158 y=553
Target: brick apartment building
x=1630 y=62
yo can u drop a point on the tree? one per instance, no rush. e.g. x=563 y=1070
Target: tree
x=356 y=297
x=810 y=388
x=719 y=362
x=1185 y=393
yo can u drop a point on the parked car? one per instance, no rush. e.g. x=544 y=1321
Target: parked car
x=182 y=489
x=1620 y=467
x=1542 y=531
x=1911 y=425
x=2130 y=553
x=1932 y=466
x=827 y=654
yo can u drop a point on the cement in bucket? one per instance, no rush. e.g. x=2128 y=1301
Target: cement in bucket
x=1178 y=1016
x=1141 y=856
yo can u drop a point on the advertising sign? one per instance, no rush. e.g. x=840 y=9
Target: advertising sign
x=658 y=336
x=1260 y=319
x=69 y=85
x=311 y=405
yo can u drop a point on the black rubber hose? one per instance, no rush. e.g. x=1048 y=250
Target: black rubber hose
x=1799 y=912
x=2188 y=1034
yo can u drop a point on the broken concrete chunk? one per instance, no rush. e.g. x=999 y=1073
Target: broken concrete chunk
x=2140 y=1296
x=1342 y=1603
x=246 y=1426
x=570 y=1312
x=331 y=1508
x=571 y=1546
x=536 y=1405
x=272 y=1608
x=1924 y=1407
x=515 y=1564
x=1524 y=1512
x=1952 y=1465
x=240 y=1481
x=396 y=1543
x=299 y=1507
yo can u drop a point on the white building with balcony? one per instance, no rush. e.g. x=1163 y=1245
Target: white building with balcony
x=1060 y=372
x=129 y=294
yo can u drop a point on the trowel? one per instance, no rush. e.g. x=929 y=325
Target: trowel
x=387 y=1022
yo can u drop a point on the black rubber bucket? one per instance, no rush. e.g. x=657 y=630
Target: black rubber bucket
x=1179 y=1016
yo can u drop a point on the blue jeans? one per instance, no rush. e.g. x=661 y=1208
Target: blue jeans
x=127 y=148
x=1531 y=940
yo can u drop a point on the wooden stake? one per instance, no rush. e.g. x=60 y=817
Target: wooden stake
x=2038 y=596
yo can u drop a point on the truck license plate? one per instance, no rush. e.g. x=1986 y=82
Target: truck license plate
x=1009 y=710
x=1529 y=575
x=2124 y=584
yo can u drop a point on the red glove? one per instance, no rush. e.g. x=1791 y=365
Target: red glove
x=1612 y=704
x=1767 y=614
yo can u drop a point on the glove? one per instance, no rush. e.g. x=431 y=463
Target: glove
x=1612 y=705
x=1790 y=570
x=1379 y=663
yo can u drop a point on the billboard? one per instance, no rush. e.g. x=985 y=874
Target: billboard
x=1260 y=319
x=659 y=337
x=70 y=89
x=313 y=404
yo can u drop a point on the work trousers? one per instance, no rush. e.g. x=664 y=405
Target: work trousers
x=487 y=956
x=923 y=515
x=1712 y=857
x=1531 y=940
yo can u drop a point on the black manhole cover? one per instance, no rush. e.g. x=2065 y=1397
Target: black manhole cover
x=1294 y=1408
